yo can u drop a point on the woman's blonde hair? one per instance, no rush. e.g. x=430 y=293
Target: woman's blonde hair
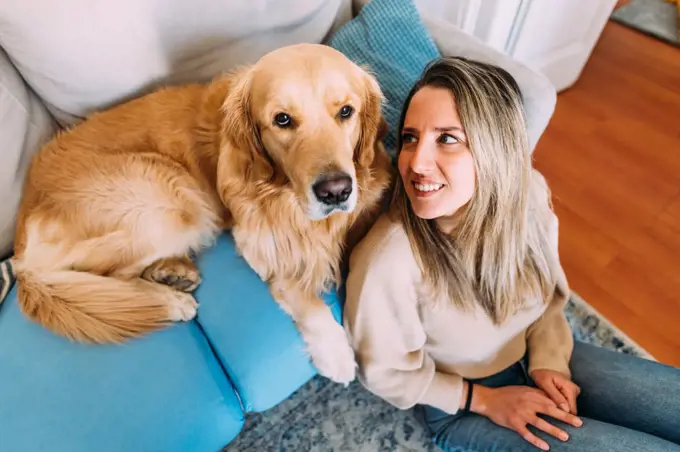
x=496 y=256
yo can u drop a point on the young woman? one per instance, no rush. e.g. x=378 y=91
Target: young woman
x=455 y=297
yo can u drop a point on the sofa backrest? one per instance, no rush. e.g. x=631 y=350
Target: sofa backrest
x=81 y=56
x=25 y=125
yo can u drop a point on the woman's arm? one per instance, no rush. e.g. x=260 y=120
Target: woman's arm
x=383 y=324
x=549 y=339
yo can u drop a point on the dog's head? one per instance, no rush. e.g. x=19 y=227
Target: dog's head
x=307 y=117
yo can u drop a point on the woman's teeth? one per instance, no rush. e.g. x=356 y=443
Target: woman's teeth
x=427 y=187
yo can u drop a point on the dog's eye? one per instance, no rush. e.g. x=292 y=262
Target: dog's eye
x=283 y=120
x=346 y=112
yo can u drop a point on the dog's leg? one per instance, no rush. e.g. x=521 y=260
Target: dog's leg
x=325 y=338
x=90 y=308
x=177 y=272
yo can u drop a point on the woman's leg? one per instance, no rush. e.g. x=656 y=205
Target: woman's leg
x=628 y=391
x=470 y=432
x=473 y=433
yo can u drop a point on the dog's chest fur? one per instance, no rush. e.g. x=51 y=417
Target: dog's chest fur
x=309 y=255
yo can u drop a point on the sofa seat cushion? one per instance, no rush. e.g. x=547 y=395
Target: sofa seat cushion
x=257 y=343
x=165 y=392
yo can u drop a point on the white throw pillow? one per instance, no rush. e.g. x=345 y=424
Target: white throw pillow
x=81 y=56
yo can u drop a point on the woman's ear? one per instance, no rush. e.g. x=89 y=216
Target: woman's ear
x=241 y=147
x=373 y=125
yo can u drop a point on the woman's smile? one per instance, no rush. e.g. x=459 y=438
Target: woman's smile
x=425 y=190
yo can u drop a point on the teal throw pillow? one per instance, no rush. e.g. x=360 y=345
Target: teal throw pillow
x=389 y=37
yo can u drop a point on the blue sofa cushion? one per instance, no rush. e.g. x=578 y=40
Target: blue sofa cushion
x=257 y=343
x=165 y=392
x=389 y=38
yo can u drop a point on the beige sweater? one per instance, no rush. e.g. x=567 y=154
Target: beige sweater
x=413 y=353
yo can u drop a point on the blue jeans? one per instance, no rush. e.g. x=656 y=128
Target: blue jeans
x=626 y=404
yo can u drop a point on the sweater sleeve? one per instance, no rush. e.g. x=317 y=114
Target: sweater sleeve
x=549 y=340
x=383 y=322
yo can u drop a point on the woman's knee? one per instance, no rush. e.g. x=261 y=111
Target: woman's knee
x=477 y=433
x=592 y=364
x=595 y=435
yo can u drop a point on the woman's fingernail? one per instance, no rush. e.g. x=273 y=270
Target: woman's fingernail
x=578 y=422
x=564 y=436
x=564 y=407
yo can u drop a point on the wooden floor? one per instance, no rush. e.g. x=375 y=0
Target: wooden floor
x=611 y=155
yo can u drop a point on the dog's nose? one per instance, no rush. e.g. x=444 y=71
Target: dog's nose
x=333 y=188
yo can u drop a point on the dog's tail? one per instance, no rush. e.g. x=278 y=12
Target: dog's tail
x=85 y=307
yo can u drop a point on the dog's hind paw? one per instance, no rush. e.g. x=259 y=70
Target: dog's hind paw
x=180 y=273
x=332 y=355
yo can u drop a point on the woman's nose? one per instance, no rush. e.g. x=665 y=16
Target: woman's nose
x=423 y=159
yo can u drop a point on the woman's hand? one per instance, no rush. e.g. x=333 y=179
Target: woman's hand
x=559 y=388
x=515 y=407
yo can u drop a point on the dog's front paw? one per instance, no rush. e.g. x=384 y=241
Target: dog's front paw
x=181 y=307
x=331 y=354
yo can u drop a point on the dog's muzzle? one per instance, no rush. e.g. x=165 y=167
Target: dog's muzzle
x=333 y=189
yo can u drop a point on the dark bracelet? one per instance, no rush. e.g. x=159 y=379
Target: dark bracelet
x=468 y=402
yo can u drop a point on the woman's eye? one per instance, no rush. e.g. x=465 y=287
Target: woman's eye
x=346 y=112
x=448 y=139
x=408 y=138
x=283 y=120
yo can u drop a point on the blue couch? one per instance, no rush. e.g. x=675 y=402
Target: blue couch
x=189 y=387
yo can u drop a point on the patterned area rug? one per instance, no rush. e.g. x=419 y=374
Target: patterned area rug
x=657 y=18
x=325 y=417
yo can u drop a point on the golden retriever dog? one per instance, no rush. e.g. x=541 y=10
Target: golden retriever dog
x=285 y=152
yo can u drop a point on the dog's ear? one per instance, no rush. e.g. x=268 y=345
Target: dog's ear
x=373 y=125
x=241 y=144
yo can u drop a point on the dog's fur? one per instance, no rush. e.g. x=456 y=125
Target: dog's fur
x=113 y=207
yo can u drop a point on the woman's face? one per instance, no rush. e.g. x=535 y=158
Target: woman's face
x=435 y=163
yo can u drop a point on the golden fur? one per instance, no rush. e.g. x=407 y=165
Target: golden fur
x=113 y=207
